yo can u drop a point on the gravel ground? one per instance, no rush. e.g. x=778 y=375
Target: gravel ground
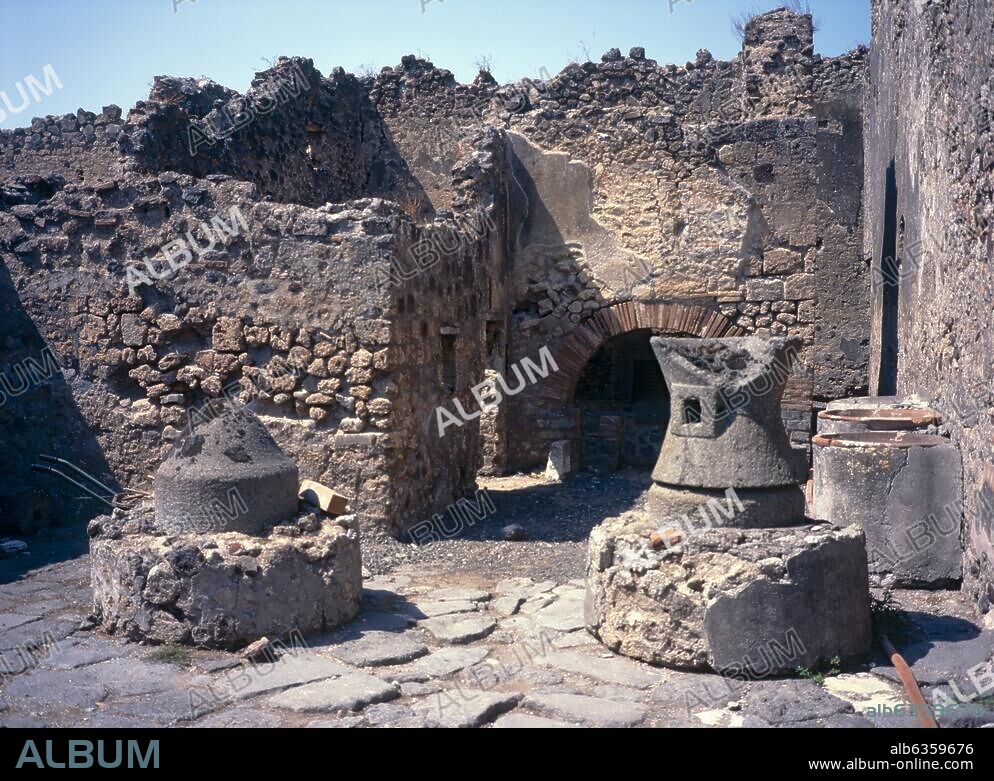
x=556 y=517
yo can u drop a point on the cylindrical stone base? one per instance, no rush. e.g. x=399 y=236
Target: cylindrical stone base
x=754 y=601
x=223 y=590
x=905 y=491
x=745 y=508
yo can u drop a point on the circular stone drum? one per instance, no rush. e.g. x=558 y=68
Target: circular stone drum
x=905 y=490
x=846 y=420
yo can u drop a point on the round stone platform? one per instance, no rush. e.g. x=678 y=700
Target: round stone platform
x=223 y=590
x=752 y=601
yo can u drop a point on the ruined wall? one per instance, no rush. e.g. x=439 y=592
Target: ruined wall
x=716 y=198
x=284 y=314
x=734 y=185
x=928 y=207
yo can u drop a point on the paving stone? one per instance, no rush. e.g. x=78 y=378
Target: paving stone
x=610 y=669
x=46 y=692
x=517 y=720
x=610 y=691
x=588 y=710
x=507 y=606
x=242 y=718
x=533 y=604
x=577 y=639
x=348 y=722
x=290 y=670
x=420 y=610
x=82 y=650
x=465 y=710
x=390 y=714
x=459 y=629
x=350 y=692
x=785 y=702
x=697 y=691
x=418 y=689
x=44 y=630
x=10 y=620
x=126 y=677
x=566 y=615
x=375 y=649
x=441 y=663
x=458 y=594
x=101 y=720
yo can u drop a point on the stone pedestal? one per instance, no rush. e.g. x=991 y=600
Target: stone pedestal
x=722 y=569
x=905 y=490
x=224 y=590
x=758 y=601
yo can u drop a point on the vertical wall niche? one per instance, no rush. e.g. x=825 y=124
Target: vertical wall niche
x=888 y=280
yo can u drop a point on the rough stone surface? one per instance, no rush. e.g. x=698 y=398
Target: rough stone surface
x=227 y=474
x=905 y=491
x=764 y=600
x=217 y=590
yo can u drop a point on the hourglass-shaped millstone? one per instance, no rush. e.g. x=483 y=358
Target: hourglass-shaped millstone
x=227 y=475
x=726 y=431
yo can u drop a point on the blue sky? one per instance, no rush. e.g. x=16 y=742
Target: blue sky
x=107 y=51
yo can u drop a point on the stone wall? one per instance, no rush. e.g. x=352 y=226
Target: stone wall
x=928 y=209
x=407 y=237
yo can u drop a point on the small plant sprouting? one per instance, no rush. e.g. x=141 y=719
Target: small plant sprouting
x=820 y=670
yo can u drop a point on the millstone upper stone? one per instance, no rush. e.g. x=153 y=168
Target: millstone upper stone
x=725 y=428
x=226 y=475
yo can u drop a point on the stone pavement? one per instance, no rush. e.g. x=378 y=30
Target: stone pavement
x=427 y=650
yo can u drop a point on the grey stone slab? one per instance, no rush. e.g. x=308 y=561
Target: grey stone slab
x=290 y=670
x=126 y=677
x=166 y=708
x=592 y=711
x=516 y=720
x=10 y=620
x=242 y=718
x=46 y=692
x=350 y=692
x=459 y=629
x=441 y=663
x=44 y=630
x=507 y=606
x=375 y=649
x=465 y=710
x=564 y=615
x=391 y=714
x=426 y=609
x=347 y=722
x=83 y=650
x=789 y=701
x=610 y=669
x=458 y=594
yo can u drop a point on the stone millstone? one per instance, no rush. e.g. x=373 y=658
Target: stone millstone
x=227 y=475
x=725 y=428
x=760 y=601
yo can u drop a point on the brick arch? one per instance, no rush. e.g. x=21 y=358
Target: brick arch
x=589 y=336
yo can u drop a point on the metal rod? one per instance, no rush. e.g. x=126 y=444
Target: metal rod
x=78 y=471
x=90 y=491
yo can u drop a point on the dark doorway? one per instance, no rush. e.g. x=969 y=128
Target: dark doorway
x=889 y=280
x=624 y=405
